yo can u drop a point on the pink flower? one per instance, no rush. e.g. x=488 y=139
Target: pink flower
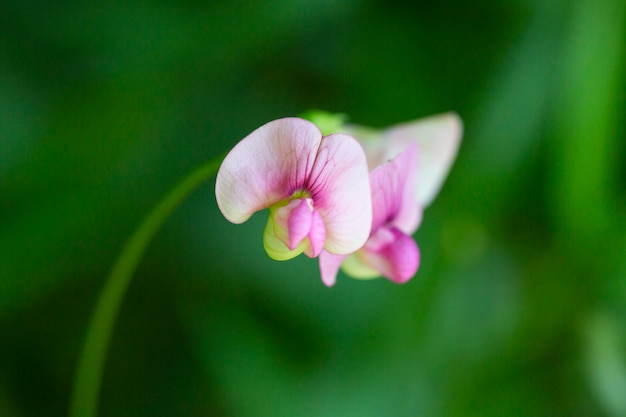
x=421 y=153
x=316 y=188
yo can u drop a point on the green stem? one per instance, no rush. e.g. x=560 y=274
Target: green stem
x=89 y=374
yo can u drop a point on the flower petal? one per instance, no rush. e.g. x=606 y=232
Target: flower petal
x=317 y=235
x=438 y=139
x=340 y=190
x=299 y=221
x=396 y=260
x=329 y=266
x=393 y=192
x=276 y=247
x=265 y=167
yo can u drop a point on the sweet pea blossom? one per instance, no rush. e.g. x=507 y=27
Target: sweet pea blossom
x=316 y=188
x=409 y=162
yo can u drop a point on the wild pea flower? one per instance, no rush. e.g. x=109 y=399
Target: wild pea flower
x=316 y=188
x=410 y=163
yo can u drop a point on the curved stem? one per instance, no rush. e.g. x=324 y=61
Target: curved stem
x=88 y=378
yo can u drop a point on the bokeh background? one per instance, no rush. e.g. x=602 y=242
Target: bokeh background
x=519 y=306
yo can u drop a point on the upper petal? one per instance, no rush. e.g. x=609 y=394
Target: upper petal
x=265 y=167
x=438 y=138
x=393 y=192
x=340 y=189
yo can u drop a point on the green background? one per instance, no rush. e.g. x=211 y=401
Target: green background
x=519 y=306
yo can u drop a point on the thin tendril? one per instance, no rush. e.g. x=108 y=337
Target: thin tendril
x=85 y=395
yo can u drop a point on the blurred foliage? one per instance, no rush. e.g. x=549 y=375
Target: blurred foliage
x=519 y=307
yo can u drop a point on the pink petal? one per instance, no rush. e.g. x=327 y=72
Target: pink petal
x=265 y=167
x=393 y=192
x=299 y=222
x=340 y=190
x=275 y=245
x=329 y=267
x=438 y=138
x=279 y=214
x=317 y=235
x=397 y=259
x=298 y=225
